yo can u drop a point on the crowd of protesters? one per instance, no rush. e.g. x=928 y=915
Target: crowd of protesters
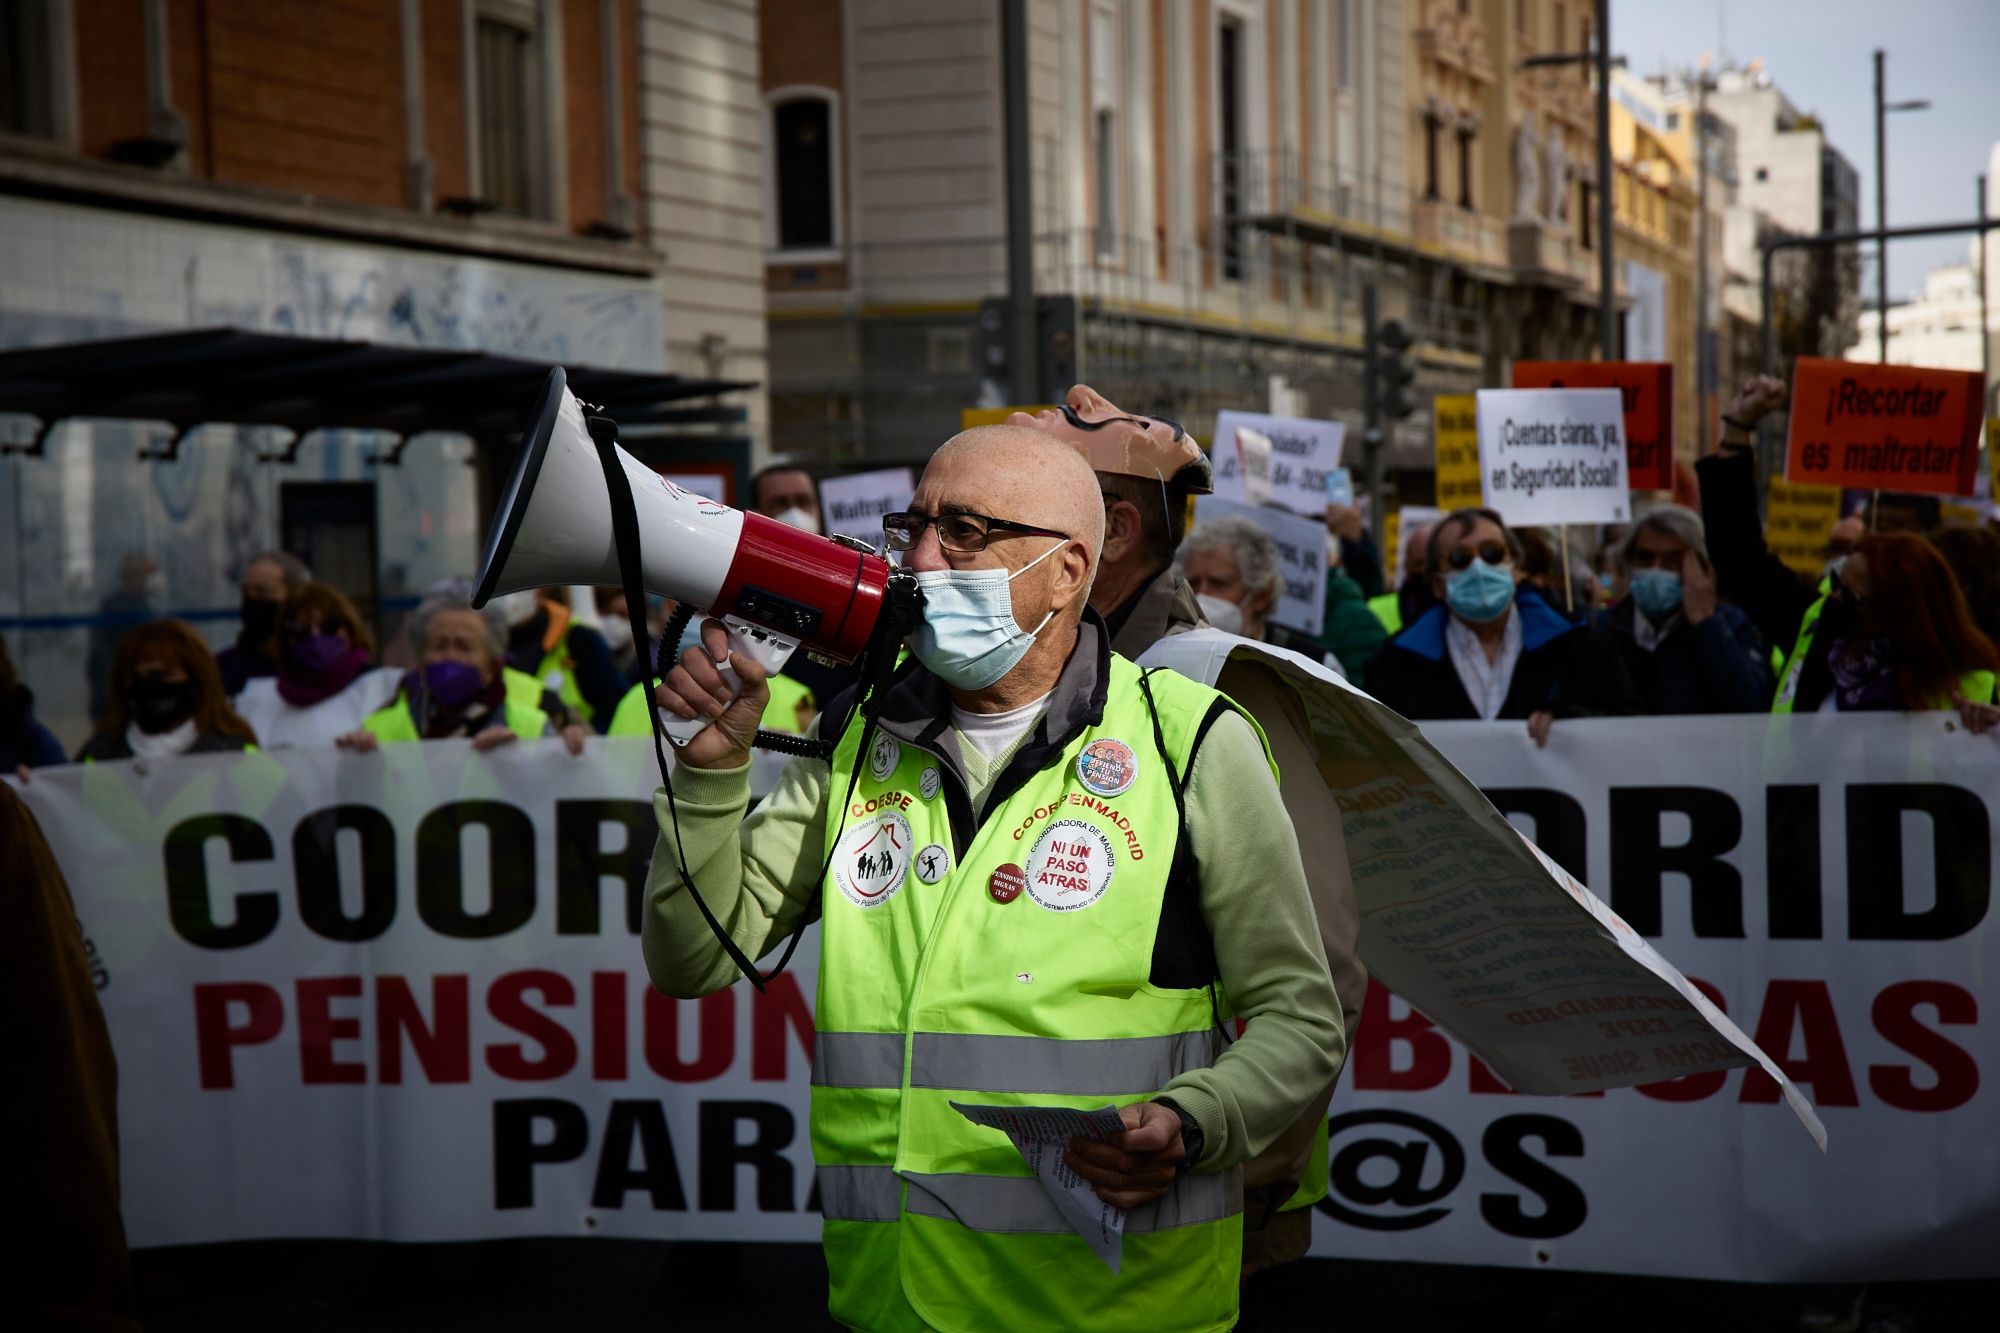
x=1687 y=611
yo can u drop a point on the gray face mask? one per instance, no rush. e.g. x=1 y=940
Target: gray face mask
x=1225 y=616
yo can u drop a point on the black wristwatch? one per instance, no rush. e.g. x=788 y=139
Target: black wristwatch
x=1191 y=1139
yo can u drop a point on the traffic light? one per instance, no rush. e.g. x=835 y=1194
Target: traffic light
x=1393 y=375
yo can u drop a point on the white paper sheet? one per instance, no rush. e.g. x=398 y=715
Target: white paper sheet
x=1042 y=1134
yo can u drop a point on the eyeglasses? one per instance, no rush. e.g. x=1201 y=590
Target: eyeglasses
x=959 y=532
x=1493 y=553
x=1144 y=423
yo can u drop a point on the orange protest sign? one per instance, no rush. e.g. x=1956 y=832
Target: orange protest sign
x=1648 y=389
x=1890 y=428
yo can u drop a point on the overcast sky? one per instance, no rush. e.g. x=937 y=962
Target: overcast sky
x=1820 y=53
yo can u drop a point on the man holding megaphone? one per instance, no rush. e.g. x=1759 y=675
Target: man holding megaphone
x=1050 y=879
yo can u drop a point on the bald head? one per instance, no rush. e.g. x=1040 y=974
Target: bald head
x=1022 y=474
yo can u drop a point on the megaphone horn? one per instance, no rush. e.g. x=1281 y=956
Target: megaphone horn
x=775 y=586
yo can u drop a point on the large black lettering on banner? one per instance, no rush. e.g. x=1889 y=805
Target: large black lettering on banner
x=185 y=851
x=583 y=862
x=1640 y=860
x=316 y=870
x=510 y=860
x=1961 y=852
x=1559 y=830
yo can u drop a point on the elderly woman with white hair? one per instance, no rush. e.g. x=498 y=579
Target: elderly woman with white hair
x=1687 y=651
x=458 y=688
x=1233 y=567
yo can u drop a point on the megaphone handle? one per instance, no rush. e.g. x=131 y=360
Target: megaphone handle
x=766 y=647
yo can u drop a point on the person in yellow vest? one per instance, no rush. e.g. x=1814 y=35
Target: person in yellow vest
x=1145 y=467
x=571 y=659
x=458 y=689
x=1913 y=646
x=1049 y=879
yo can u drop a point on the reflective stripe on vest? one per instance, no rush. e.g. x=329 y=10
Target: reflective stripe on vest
x=935 y=989
x=1788 y=681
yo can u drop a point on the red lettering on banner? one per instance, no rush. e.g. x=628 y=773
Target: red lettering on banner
x=607 y=1025
x=782 y=1006
x=320 y=1028
x=1807 y=1006
x=715 y=1046
x=507 y=1002
x=1692 y=1087
x=1373 y=1056
x=1895 y=1018
x=443 y=1047
x=215 y=1036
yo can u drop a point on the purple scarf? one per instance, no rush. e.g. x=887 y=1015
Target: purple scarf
x=1864 y=679
x=316 y=668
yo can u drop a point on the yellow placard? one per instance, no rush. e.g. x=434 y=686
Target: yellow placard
x=1798 y=522
x=1458 y=482
x=994 y=416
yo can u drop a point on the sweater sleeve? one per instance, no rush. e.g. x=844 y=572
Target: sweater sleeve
x=1268 y=952
x=759 y=875
x=1746 y=572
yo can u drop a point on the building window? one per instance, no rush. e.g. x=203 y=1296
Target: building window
x=1431 y=126
x=1343 y=51
x=1105 y=53
x=1231 y=87
x=27 y=84
x=513 y=108
x=1465 y=133
x=1583 y=214
x=803 y=165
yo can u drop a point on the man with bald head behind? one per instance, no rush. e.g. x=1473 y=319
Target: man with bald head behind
x=1049 y=880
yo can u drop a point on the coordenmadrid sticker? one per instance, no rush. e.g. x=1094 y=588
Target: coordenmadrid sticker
x=1070 y=866
x=872 y=860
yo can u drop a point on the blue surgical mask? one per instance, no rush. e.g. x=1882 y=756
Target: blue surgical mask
x=1480 y=593
x=969 y=637
x=1657 y=591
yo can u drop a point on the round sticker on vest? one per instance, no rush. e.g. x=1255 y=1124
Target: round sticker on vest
x=1108 y=767
x=1006 y=883
x=927 y=784
x=873 y=859
x=933 y=863
x=1070 y=867
x=883 y=757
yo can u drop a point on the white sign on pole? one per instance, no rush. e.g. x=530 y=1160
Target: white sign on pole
x=1551 y=456
x=1302 y=452
x=853 y=505
x=1301 y=558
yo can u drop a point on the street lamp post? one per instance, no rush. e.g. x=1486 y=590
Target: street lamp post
x=1599 y=57
x=1882 y=110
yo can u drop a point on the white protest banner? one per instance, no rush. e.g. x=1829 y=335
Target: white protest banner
x=407 y=1034
x=1253 y=451
x=854 y=504
x=1552 y=456
x=1301 y=558
x=1828 y=881
x=1302 y=452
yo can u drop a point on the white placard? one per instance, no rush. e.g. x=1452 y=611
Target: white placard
x=853 y=505
x=1301 y=558
x=1552 y=456
x=1303 y=451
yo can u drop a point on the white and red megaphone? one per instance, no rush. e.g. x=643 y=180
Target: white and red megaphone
x=774 y=586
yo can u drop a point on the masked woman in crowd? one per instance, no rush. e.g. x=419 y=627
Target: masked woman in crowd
x=327 y=681
x=1233 y=567
x=166 y=699
x=1913 y=646
x=457 y=690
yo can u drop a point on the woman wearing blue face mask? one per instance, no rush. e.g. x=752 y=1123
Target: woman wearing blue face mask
x=1493 y=647
x=1687 y=652
x=457 y=689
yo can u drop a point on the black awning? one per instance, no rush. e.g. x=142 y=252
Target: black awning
x=227 y=376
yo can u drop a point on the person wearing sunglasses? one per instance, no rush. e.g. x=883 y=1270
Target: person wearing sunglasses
x=1493 y=647
x=1035 y=869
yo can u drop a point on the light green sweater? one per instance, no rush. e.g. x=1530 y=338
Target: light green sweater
x=759 y=874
